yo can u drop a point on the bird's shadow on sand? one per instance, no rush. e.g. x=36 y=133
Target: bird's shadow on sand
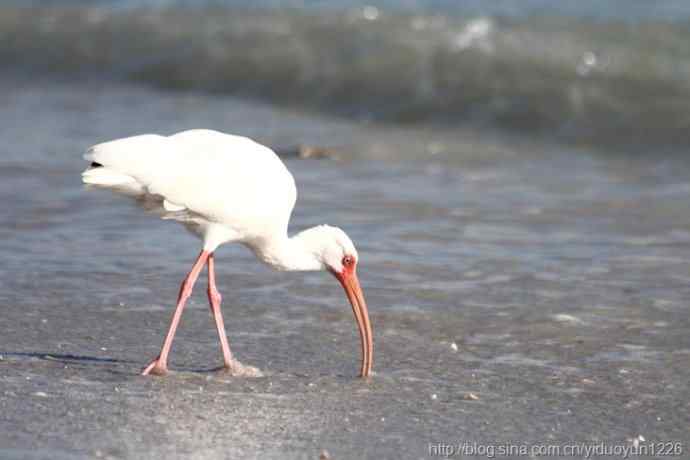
x=133 y=367
x=62 y=357
x=112 y=364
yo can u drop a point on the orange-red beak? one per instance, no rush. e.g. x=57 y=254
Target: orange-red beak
x=348 y=278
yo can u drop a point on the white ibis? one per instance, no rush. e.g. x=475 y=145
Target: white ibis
x=224 y=189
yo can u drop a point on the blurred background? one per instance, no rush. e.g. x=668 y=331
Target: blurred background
x=514 y=173
x=606 y=74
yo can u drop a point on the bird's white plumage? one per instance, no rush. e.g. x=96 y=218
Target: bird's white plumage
x=228 y=188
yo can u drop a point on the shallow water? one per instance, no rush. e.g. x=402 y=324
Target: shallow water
x=562 y=277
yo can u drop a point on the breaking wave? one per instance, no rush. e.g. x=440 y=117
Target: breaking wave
x=611 y=84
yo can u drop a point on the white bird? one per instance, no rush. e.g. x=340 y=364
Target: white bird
x=224 y=189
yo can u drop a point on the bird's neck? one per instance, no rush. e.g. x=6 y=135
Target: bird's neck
x=288 y=254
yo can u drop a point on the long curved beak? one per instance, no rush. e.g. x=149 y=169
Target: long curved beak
x=359 y=307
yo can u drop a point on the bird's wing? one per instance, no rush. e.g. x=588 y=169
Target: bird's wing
x=227 y=179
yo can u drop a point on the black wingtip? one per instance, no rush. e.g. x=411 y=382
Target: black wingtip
x=96 y=165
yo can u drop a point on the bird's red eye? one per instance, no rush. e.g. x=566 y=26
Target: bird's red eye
x=348 y=261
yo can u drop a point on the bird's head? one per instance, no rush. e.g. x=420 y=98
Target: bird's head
x=337 y=254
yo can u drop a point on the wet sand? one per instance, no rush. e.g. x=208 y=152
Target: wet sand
x=561 y=276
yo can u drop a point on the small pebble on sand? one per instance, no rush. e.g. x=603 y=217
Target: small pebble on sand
x=434 y=396
x=564 y=318
x=454 y=346
x=636 y=441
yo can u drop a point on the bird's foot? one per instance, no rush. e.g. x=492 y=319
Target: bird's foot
x=155 y=367
x=237 y=369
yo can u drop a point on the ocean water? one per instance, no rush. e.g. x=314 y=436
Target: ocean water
x=617 y=82
x=527 y=284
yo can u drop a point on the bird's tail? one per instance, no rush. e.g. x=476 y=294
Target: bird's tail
x=125 y=163
x=99 y=175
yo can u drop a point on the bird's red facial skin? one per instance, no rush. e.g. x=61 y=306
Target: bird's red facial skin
x=348 y=278
x=349 y=266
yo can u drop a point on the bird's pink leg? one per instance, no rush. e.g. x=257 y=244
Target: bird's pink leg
x=215 y=299
x=159 y=366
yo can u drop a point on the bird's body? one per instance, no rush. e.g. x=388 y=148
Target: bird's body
x=224 y=188
x=246 y=193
